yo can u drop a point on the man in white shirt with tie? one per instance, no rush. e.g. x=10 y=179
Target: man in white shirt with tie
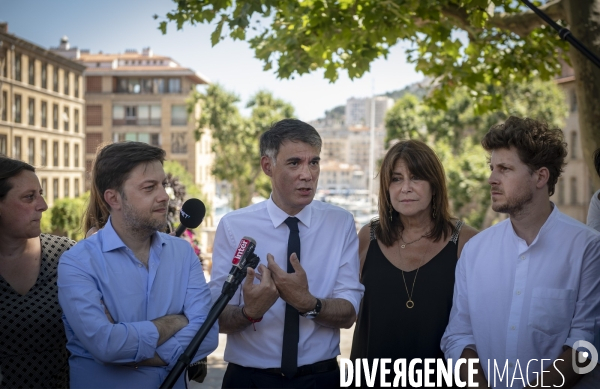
x=528 y=288
x=283 y=329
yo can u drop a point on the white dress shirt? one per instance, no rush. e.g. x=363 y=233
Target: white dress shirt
x=514 y=302
x=329 y=255
x=593 y=216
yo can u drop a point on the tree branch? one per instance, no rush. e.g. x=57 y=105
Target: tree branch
x=525 y=22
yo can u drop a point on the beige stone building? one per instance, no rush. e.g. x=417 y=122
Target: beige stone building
x=41 y=114
x=142 y=97
x=575 y=187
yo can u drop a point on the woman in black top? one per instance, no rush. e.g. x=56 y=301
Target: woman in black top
x=408 y=256
x=33 y=351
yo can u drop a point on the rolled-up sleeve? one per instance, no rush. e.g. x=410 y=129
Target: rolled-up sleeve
x=348 y=286
x=587 y=306
x=196 y=307
x=81 y=301
x=459 y=332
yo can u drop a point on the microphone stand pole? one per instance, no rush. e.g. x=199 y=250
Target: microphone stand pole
x=564 y=34
x=229 y=289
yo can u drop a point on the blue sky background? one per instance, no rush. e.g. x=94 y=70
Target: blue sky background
x=112 y=26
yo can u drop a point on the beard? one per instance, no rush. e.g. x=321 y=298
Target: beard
x=140 y=223
x=515 y=204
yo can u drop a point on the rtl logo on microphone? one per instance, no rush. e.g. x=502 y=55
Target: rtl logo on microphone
x=240 y=251
x=183 y=214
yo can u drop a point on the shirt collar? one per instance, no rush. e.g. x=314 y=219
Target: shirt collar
x=278 y=216
x=547 y=225
x=112 y=241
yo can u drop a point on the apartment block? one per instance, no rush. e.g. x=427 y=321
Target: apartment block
x=42 y=114
x=141 y=96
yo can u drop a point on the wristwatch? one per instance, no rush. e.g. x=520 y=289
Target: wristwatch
x=314 y=312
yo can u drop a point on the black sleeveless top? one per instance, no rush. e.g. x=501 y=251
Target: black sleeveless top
x=386 y=328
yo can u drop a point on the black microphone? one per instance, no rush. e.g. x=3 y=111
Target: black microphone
x=191 y=215
x=244 y=255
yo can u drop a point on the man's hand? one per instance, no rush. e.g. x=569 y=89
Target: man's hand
x=292 y=287
x=258 y=298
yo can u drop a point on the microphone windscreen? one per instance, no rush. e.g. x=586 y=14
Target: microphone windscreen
x=192 y=213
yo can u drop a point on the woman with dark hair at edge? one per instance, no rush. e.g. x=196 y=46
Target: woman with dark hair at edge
x=33 y=351
x=408 y=257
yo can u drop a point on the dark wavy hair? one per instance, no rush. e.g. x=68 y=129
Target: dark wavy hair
x=536 y=143
x=597 y=161
x=421 y=161
x=9 y=168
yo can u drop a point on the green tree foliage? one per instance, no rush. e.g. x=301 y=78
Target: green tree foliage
x=456 y=132
x=65 y=217
x=236 y=139
x=482 y=45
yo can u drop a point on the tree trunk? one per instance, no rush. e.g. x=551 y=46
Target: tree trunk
x=583 y=17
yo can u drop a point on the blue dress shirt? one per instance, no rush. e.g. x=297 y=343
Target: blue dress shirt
x=101 y=271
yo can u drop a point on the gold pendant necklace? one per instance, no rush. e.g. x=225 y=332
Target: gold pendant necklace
x=407 y=243
x=410 y=303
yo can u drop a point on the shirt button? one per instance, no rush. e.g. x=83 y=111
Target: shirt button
x=512 y=328
x=518 y=292
x=522 y=257
x=139 y=265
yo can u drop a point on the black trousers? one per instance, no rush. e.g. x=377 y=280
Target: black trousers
x=237 y=376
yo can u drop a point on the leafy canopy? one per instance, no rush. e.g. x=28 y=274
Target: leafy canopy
x=501 y=44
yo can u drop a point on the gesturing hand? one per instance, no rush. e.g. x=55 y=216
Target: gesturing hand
x=258 y=298
x=292 y=287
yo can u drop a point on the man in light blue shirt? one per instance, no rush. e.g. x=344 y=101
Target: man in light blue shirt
x=133 y=298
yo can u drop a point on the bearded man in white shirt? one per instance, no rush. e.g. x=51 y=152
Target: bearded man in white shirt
x=283 y=331
x=527 y=289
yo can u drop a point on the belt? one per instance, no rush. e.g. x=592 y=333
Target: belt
x=315 y=368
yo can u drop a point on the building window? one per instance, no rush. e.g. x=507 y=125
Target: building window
x=55 y=154
x=142 y=115
x=573 y=145
x=179 y=142
x=31 y=71
x=44 y=114
x=573 y=101
x=17 y=148
x=93 y=115
x=3 y=144
x=55 y=188
x=76 y=85
x=93 y=84
x=66 y=154
x=66 y=189
x=174 y=85
x=55 y=78
x=66 y=82
x=76 y=188
x=44 y=152
x=561 y=191
x=4 y=105
x=55 y=116
x=178 y=115
x=66 y=119
x=76 y=120
x=44 y=187
x=145 y=137
x=92 y=140
x=31 y=151
x=17 y=108
x=18 y=66
x=44 y=75
x=76 y=155
x=31 y=112
x=573 y=190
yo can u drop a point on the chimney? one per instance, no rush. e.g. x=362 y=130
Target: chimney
x=147 y=51
x=64 y=43
x=4 y=27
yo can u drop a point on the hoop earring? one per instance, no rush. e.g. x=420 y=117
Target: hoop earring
x=434 y=213
x=390 y=211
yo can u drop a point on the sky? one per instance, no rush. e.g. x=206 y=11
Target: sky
x=112 y=26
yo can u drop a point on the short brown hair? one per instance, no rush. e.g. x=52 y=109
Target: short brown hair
x=112 y=166
x=536 y=143
x=421 y=161
x=9 y=168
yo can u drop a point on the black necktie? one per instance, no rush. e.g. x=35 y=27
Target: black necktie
x=291 y=329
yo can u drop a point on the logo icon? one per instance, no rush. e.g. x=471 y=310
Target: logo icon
x=583 y=356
